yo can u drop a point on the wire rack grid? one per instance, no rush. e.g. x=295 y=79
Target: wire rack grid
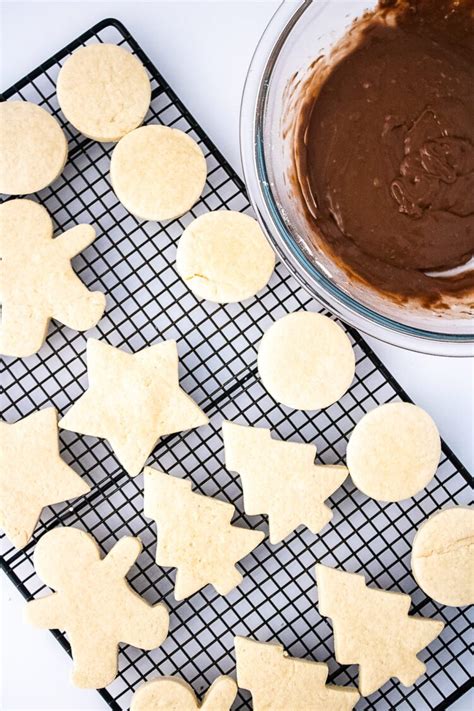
x=133 y=263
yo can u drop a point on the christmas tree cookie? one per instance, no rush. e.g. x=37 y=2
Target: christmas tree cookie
x=93 y=602
x=173 y=694
x=281 y=479
x=372 y=629
x=195 y=535
x=133 y=399
x=278 y=682
x=32 y=474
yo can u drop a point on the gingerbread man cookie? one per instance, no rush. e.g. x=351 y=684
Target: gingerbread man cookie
x=172 y=694
x=37 y=281
x=93 y=602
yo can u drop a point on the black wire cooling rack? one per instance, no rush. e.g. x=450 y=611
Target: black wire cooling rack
x=133 y=263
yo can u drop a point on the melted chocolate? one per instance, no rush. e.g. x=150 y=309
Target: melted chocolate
x=384 y=149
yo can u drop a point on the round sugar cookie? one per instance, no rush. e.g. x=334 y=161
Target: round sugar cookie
x=306 y=361
x=393 y=452
x=104 y=91
x=33 y=148
x=157 y=173
x=442 y=558
x=224 y=257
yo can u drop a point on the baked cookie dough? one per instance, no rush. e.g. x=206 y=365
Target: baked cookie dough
x=393 y=452
x=281 y=479
x=133 y=399
x=196 y=535
x=38 y=282
x=173 y=694
x=104 y=91
x=33 y=148
x=372 y=628
x=224 y=257
x=158 y=173
x=279 y=682
x=442 y=558
x=32 y=473
x=306 y=361
x=93 y=602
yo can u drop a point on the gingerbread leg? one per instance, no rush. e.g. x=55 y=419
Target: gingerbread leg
x=95 y=663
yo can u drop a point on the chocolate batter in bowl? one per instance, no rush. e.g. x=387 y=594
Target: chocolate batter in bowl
x=357 y=132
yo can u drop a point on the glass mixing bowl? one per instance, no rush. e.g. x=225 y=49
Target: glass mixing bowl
x=297 y=34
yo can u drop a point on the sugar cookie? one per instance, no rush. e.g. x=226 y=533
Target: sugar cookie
x=281 y=479
x=195 y=535
x=133 y=400
x=306 y=361
x=372 y=628
x=33 y=148
x=37 y=280
x=172 y=694
x=279 y=682
x=223 y=256
x=442 y=558
x=93 y=602
x=157 y=173
x=32 y=473
x=104 y=91
x=393 y=451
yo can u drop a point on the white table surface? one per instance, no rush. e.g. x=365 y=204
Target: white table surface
x=203 y=49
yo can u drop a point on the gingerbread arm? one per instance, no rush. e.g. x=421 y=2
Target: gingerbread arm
x=220 y=695
x=45 y=613
x=123 y=555
x=75 y=240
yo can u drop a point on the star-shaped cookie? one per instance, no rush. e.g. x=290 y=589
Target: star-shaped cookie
x=133 y=399
x=32 y=474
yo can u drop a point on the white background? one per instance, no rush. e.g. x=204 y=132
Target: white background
x=203 y=49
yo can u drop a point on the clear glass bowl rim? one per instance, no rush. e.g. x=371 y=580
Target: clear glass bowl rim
x=257 y=180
